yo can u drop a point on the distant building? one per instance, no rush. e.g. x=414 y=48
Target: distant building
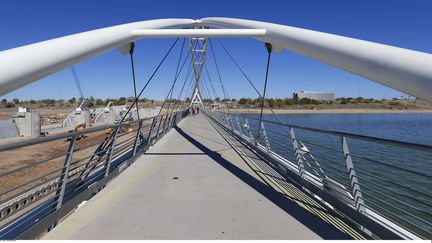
x=315 y=95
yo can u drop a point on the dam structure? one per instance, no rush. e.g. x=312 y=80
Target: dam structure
x=199 y=169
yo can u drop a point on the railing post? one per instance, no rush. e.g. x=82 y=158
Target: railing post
x=231 y=123
x=297 y=152
x=224 y=120
x=171 y=120
x=110 y=151
x=238 y=124
x=220 y=116
x=266 y=140
x=355 y=186
x=164 y=123
x=249 y=133
x=174 y=120
x=159 y=125
x=149 y=137
x=65 y=172
x=137 y=137
x=167 y=122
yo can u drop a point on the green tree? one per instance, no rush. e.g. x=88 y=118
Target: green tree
x=288 y=101
x=15 y=100
x=243 y=101
x=271 y=102
x=99 y=102
x=90 y=103
x=4 y=101
x=72 y=100
x=279 y=103
x=307 y=101
x=50 y=102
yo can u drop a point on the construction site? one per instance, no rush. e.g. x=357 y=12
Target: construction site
x=26 y=124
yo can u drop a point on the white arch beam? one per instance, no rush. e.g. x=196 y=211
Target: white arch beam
x=23 y=65
x=402 y=69
x=166 y=33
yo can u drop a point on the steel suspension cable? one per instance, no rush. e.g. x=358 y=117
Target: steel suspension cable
x=190 y=68
x=239 y=67
x=172 y=92
x=184 y=84
x=251 y=83
x=150 y=79
x=269 y=51
x=219 y=75
x=206 y=86
x=207 y=92
x=177 y=74
x=210 y=81
x=193 y=46
x=108 y=140
x=131 y=54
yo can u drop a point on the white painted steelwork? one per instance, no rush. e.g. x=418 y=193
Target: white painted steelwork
x=23 y=65
x=166 y=33
x=402 y=69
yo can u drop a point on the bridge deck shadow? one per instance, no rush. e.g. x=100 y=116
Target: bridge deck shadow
x=192 y=184
x=314 y=223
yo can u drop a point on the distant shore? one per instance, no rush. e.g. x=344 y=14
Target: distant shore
x=332 y=111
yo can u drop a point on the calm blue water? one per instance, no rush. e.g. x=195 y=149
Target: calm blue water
x=415 y=127
x=405 y=197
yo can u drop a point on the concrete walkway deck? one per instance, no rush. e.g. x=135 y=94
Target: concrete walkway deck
x=191 y=185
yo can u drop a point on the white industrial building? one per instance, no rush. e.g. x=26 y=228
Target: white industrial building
x=315 y=95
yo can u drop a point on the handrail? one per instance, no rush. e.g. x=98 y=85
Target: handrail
x=38 y=140
x=40 y=198
x=402 y=144
x=400 y=211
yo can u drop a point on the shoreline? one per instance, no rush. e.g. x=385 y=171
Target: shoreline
x=333 y=111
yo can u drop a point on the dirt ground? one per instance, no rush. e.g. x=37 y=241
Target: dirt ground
x=45 y=113
x=27 y=167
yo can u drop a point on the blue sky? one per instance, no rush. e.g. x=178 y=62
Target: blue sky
x=403 y=23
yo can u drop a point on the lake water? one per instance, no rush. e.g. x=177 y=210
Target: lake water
x=403 y=196
x=411 y=127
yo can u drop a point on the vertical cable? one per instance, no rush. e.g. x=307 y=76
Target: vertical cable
x=131 y=52
x=269 y=50
x=177 y=74
x=150 y=79
x=220 y=78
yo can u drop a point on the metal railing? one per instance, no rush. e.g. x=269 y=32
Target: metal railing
x=373 y=181
x=43 y=179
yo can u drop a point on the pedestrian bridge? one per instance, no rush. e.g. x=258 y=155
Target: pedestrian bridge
x=198 y=182
x=219 y=174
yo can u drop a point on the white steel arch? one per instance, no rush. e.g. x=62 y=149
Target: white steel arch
x=402 y=69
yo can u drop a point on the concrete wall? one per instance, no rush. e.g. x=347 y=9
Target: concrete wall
x=116 y=113
x=76 y=118
x=8 y=129
x=28 y=123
